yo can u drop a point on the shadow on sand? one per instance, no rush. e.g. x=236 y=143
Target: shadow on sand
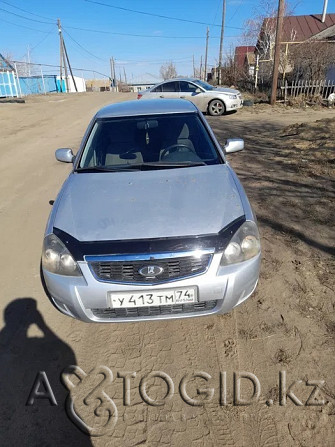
x=22 y=356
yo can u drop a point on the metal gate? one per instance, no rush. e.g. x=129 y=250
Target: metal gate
x=8 y=79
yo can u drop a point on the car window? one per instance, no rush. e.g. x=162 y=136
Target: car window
x=176 y=138
x=170 y=86
x=204 y=85
x=157 y=89
x=187 y=86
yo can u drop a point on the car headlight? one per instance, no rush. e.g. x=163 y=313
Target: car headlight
x=232 y=96
x=56 y=258
x=244 y=245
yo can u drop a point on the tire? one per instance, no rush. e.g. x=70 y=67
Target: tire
x=216 y=107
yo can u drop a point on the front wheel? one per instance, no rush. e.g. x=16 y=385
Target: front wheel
x=216 y=107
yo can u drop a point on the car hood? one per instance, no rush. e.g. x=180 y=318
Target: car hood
x=148 y=204
x=229 y=91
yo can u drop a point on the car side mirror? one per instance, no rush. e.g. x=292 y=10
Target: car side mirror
x=65 y=155
x=198 y=90
x=234 y=145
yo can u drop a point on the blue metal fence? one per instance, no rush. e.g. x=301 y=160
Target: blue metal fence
x=34 y=85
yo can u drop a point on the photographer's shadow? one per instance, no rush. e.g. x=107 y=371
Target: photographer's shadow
x=22 y=357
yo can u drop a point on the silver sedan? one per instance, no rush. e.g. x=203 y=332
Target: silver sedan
x=152 y=222
x=209 y=99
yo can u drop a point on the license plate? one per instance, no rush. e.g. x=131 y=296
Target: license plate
x=162 y=297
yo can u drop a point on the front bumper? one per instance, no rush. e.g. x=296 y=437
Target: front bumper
x=229 y=286
x=234 y=104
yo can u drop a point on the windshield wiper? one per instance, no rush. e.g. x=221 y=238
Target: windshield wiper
x=106 y=169
x=142 y=166
x=164 y=165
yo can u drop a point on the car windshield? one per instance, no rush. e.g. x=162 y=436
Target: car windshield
x=148 y=142
x=204 y=85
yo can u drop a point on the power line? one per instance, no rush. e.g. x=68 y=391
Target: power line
x=156 y=15
x=217 y=10
x=144 y=35
x=235 y=12
x=126 y=61
x=157 y=60
x=42 y=40
x=57 y=66
x=80 y=46
x=139 y=35
x=107 y=32
x=23 y=17
x=39 y=42
x=23 y=26
x=24 y=10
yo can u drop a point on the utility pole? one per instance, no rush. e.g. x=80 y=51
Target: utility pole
x=201 y=67
x=115 y=80
x=193 y=66
x=60 y=56
x=28 y=58
x=70 y=68
x=113 y=77
x=206 y=53
x=325 y=5
x=112 y=73
x=65 y=67
x=221 y=40
x=125 y=76
x=63 y=60
x=280 y=16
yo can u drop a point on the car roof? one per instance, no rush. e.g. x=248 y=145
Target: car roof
x=146 y=107
x=180 y=79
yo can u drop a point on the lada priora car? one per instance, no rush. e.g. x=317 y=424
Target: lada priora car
x=152 y=222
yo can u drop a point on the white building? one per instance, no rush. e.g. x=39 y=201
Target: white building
x=143 y=82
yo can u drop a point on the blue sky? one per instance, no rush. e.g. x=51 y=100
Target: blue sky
x=32 y=23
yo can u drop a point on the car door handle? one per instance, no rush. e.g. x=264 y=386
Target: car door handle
x=183 y=97
x=161 y=96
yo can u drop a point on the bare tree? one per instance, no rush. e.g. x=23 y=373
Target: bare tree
x=168 y=71
x=260 y=30
x=311 y=60
x=231 y=72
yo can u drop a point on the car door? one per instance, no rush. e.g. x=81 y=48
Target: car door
x=153 y=93
x=170 y=89
x=193 y=93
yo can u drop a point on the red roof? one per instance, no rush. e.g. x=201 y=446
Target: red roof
x=301 y=28
x=240 y=54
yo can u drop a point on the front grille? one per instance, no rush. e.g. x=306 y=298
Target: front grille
x=128 y=271
x=155 y=311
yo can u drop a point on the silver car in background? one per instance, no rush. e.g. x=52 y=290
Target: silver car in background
x=152 y=222
x=213 y=100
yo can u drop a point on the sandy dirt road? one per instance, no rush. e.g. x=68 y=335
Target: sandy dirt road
x=288 y=325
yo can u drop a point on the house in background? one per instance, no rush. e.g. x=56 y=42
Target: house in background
x=296 y=30
x=143 y=82
x=244 y=59
x=98 y=85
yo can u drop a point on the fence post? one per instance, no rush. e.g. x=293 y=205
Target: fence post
x=43 y=81
x=10 y=84
x=18 y=81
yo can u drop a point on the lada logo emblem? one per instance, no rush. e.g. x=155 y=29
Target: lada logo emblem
x=150 y=271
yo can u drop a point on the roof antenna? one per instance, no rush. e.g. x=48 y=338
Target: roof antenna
x=325 y=4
